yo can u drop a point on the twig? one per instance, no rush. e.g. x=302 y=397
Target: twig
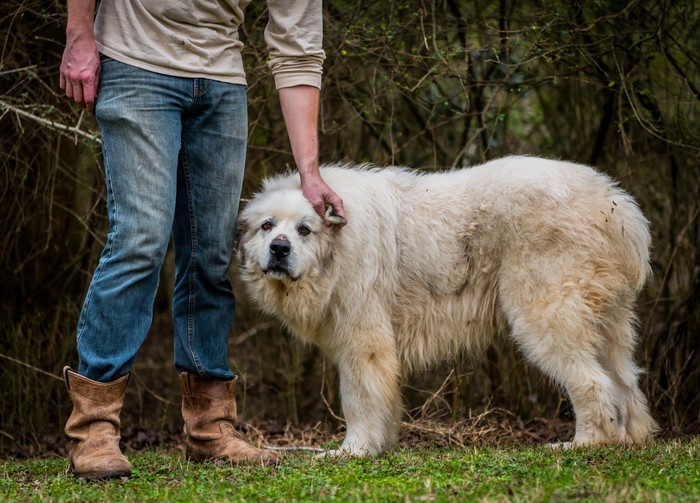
x=299 y=448
x=149 y=390
x=252 y=331
x=15 y=70
x=70 y=131
x=328 y=406
x=434 y=396
x=24 y=364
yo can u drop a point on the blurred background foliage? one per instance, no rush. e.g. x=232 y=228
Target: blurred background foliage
x=428 y=84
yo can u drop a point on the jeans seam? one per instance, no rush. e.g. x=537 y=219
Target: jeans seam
x=201 y=88
x=100 y=266
x=192 y=280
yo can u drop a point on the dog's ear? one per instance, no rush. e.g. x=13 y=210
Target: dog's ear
x=333 y=217
x=241 y=229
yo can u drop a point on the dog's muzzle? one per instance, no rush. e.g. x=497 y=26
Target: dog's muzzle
x=278 y=265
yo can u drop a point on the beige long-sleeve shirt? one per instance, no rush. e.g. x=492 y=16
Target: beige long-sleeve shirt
x=199 y=38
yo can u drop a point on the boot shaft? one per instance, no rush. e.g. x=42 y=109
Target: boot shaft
x=207 y=406
x=93 y=427
x=209 y=411
x=93 y=402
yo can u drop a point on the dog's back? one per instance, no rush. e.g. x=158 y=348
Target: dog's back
x=451 y=247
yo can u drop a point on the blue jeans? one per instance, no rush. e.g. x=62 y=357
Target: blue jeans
x=174 y=154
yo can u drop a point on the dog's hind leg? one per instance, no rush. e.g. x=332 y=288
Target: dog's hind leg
x=370 y=392
x=575 y=366
x=558 y=331
x=617 y=359
x=568 y=313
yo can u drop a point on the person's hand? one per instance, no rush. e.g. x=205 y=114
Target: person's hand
x=324 y=201
x=300 y=111
x=80 y=70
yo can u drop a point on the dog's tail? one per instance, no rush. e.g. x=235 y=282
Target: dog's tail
x=634 y=237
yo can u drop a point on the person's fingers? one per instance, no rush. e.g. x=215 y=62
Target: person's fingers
x=324 y=201
x=95 y=84
x=69 y=88
x=79 y=75
x=338 y=206
x=319 y=206
x=78 y=91
x=89 y=96
x=333 y=213
x=333 y=218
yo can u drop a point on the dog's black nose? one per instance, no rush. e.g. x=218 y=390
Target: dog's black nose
x=280 y=247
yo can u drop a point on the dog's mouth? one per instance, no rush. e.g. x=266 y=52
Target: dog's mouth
x=279 y=271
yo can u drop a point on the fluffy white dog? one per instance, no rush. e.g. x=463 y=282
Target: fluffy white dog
x=550 y=253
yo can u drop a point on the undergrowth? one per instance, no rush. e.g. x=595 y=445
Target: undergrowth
x=662 y=471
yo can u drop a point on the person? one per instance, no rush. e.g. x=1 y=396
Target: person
x=167 y=86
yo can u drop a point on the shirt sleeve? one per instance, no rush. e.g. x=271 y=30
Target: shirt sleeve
x=294 y=36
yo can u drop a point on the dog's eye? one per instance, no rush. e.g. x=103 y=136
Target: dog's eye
x=266 y=226
x=303 y=230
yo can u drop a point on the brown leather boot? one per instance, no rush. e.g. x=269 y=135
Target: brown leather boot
x=93 y=427
x=209 y=411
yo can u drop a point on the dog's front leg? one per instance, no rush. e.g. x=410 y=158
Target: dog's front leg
x=369 y=392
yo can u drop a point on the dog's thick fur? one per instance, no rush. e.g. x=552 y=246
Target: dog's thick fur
x=551 y=253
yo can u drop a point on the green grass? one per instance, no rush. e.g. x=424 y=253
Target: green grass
x=663 y=471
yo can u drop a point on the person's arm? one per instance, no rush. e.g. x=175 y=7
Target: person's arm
x=80 y=66
x=300 y=111
x=294 y=35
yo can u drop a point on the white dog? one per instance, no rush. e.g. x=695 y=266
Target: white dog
x=551 y=253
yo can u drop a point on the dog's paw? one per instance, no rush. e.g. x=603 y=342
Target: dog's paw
x=332 y=453
x=343 y=452
x=562 y=446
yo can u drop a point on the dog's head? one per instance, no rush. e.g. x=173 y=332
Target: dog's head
x=280 y=236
